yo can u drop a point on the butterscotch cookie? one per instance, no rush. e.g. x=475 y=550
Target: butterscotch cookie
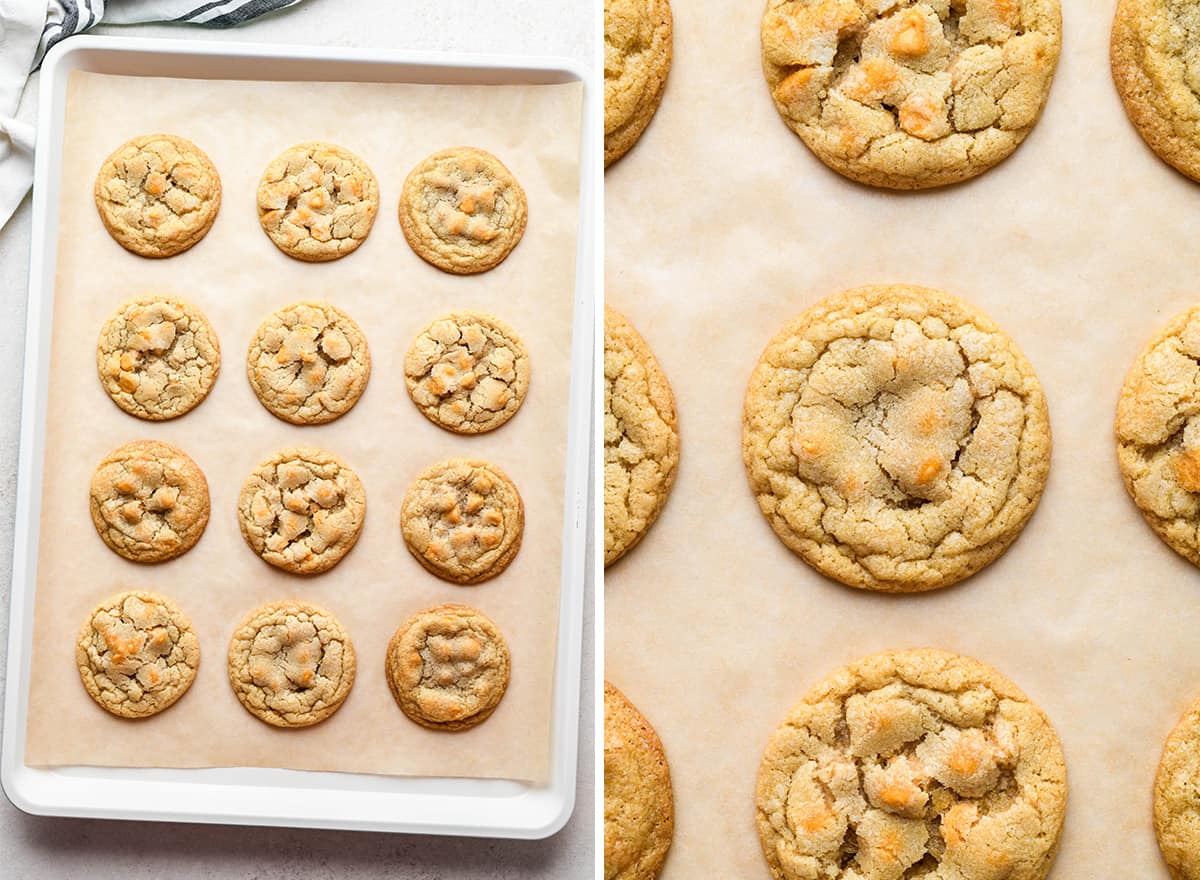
x=463 y=520
x=910 y=95
x=639 y=807
x=641 y=437
x=137 y=654
x=467 y=372
x=909 y=764
x=291 y=664
x=462 y=210
x=896 y=439
x=302 y=510
x=158 y=357
x=637 y=57
x=448 y=667
x=1176 y=811
x=308 y=363
x=149 y=501
x=158 y=195
x=317 y=201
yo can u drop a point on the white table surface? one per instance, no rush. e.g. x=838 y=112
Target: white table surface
x=48 y=849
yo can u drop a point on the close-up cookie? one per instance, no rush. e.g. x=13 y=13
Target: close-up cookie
x=448 y=667
x=909 y=95
x=639 y=807
x=158 y=357
x=462 y=211
x=637 y=58
x=137 y=654
x=158 y=195
x=302 y=510
x=291 y=664
x=308 y=363
x=641 y=436
x=895 y=438
x=1176 y=808
x=317 y=201
x=463 y=520
x=149 y=501
x=917 y=763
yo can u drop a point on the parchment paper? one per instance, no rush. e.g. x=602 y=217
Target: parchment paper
x=721 y=226
x=237 y=277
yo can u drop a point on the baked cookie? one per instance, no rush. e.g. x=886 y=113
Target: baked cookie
x=302 y=510
x=291 y=664
x=467 y=372
x=909 y=95
x=1176 y=811
x=462 y=210
x=912 y=764
x=463 y=520
x=639 y=808
x=137 y=654
x=448 y=667
x=149 y=501
x=158 y=195
x=641 y=437
x=157 y=357
x=637 y=57
x=308 y=363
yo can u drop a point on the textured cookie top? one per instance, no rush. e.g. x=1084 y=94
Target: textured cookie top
x=448 y=667
x=149 y=501
x=137 y=654
x=639 y=808
x=1176 y=810
x=463 y=520
x=912 y=764
x=468 y=372
x=907 y=94
x=637 y=57
x=291 y=664
x=158 y=195
x=309 y=363
x=302 y=510
x=157 y=357
x=462 y=210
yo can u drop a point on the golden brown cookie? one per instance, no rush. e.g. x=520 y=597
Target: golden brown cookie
x=641 y=437
x=896 y=439
x=637 y=57
x=1176 y=811
x=308 y=363
x=462 y=210
x=448 y=667
x=302 y=510
x=909 y=95
x=137 y=654
x=291 y=664
x=910 y=764
x=639 y=807
x=463 y=520
x=149 y=501
x=158 y=195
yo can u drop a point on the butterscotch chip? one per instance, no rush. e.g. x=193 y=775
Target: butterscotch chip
x=149 y=501
x=637 y=58
x=909 y=764
x=137 y=654
x=1176 y=812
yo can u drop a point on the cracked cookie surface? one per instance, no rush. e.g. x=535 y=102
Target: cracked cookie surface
x=157 y=195
x=137 y=654
x=637 y=58
x=912 y=764
x=467 y=372
x=909 y=95
x=462 y=211
x=1176 y=812
x=895 y=438
x=302 y=510
x=149 y=501
x=639 y=807
x=309 y=363
x=463 y=519
x=291 y=664
x=448 y=667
